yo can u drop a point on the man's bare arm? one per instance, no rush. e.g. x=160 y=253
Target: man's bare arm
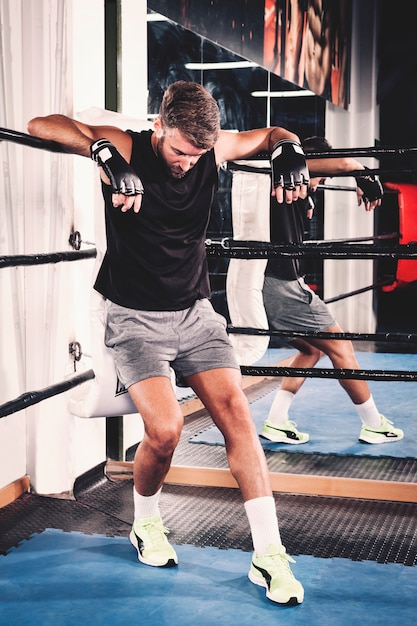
x=109 y=146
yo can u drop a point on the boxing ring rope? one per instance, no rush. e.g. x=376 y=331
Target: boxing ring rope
x=29 y=140
x=352 y=173
x=227 y=247
x=372 y=151
x=356 y=292
x=344 y=374
x=34 y=397
x=388 y=337
x=46 y=258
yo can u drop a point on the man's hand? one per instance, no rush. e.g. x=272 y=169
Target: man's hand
x=125 y=183
x=290 y=174
x=369 y=191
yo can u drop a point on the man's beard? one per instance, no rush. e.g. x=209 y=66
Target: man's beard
x=177 y=175
x=174 y=172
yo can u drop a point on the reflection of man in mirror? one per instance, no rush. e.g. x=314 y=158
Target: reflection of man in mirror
x=290 y=304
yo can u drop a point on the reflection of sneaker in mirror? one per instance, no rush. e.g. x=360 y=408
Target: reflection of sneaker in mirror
x=272 y=571
x=148 y=535
x=386 y=433
x=285 y=432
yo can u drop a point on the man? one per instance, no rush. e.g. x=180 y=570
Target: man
x=291 y=305
x=158 y=187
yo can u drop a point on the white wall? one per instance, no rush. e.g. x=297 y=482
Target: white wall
x=53 y=61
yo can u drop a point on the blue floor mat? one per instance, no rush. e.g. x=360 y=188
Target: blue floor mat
x=67 y=579
x=323 y=409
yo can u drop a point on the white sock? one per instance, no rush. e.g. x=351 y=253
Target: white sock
x=369 y=414
x=263 y=522
x=145 y=506
x=278 y=412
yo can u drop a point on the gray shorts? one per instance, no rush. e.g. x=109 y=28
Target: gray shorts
x=148 y=343
x=292 y=305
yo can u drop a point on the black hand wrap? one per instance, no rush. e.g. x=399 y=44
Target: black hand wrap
x=288 y=163
x=122 y=177
x=371 y=187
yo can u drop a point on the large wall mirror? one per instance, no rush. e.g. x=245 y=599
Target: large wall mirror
x=249 y=96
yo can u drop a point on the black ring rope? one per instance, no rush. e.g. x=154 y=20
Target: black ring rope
x=42 y=259
x=356 y=292
x=372 y=151
x=234 y=167
x=352 y=173
x=361 y=173
x=340 y=374
x=351 y=239
x=227 y=247
x=29 y=140
x=34 y=397
x=317 y=334
x=329 y=187
x=53 y=146
x=242 y=249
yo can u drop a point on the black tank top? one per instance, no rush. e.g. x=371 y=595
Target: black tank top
x=156 y=259
x=288 y=225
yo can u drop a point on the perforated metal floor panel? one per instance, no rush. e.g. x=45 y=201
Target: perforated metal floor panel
x=385 y=532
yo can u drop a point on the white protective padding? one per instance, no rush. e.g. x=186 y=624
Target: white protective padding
x=251 y=221
x=103 y=396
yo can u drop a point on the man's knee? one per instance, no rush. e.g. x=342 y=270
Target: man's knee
x=163 y=435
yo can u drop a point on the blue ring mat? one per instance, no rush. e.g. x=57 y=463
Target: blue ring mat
x=324 y=410
x=65 y=579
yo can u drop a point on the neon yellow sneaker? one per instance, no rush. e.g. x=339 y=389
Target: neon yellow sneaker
x=272 y=571
x=148 y=535
x=286 y=432
x=386 y=433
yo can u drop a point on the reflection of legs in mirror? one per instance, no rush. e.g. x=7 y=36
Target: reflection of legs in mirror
x=376 y=428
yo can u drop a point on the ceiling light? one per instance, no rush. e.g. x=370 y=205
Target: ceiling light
x=229 y=65
x=282 y=94
x=156 y=17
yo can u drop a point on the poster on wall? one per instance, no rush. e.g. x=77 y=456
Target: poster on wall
x=306 y=42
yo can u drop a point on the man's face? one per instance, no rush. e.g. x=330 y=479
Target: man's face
x=177 y=153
